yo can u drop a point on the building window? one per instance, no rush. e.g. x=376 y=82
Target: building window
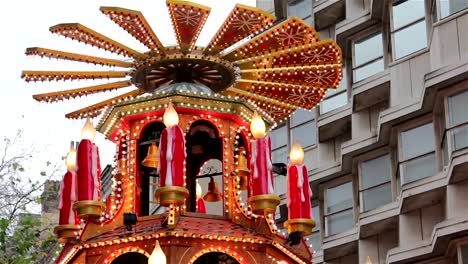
x=300 y=8
x=409 y=32
x=315 y=239
x=300 y=116
x=449 y=7
x=339 y=216
x=375 y=186
x=417 y=153
x=335 y=98
x=279 y=145
x=305 y=134
x=367 y=57
x=457 y=129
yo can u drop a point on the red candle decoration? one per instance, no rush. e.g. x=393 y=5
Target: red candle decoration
x=67 y=215
x=201 y=208
x=262 y=181
x=171 y=151
x=88 y=168
x=298 y=192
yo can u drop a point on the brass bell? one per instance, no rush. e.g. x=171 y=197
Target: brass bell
x=213 y=194
x=152 y=159
x=243 y=172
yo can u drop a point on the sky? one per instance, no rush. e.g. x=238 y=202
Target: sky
x=25 y=23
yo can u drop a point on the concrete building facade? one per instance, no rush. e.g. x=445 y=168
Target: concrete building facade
x=387 y=151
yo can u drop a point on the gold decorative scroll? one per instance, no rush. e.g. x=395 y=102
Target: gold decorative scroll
x=188 y=20
x=95 y=109
x=291 y=33
x=135 y=24
x=63 y=55
x=81 y=33
x=70 y=75
x=72 y=93
x=242 y=22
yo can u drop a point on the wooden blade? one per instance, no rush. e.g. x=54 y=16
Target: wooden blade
x=242 y=22
x=275 y=109
x=96 y=109
x=297 y=95
x=135 y=24
x=81 y=33
x=291 y=33
x=318 y=53
x=70 y=75
x=72 y=93
x=57 y=54
x=188 y=20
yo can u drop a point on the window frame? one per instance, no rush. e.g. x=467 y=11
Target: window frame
x=438 y=12
x=324 y=212
x=370 y=156
x=409 y=126
x=393 y=31
x=448 y=128
x=364 y=36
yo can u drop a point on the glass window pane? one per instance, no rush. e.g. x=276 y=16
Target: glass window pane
x=339 y=197
x=368 y=49
x=301 y=116
x=375 y=171
x=316 y=216
x=376 y=197
x=419 y=168
x=417 y=141
x=406 y=12
x=315 y=240
x=341 y=87
x=457 y=106
x=333 y=103
x=459 y=137
x=310 y=159
x=280 y=185
x=340 y=222
x=279 y=137
x=448 y=7
x=368 y=70
x=280 y=155
x=305 y=134
x=410 y=39
x=300 y=8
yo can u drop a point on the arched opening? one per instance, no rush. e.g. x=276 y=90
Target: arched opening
x=211 y=170
x=131 y=257
x=241 y=153
x=203 y=143
x=147 y=178
x=215 y=258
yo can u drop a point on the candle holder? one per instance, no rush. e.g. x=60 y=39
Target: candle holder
x=264 y=203
x=67 y=233
x=168 y=195
x=89 y=209
x=302 y=225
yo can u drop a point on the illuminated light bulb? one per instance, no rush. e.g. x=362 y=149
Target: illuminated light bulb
x=297 y=154
x=70 y=160
x=88 y=131
x=199 y=190
x=170 y=118
x=257 y=126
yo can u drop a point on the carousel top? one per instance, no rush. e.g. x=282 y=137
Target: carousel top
x=274 y=69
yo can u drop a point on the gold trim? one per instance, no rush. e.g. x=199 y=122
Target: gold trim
x=303 y=225
x=67 y=233
x=89 y=209
x=168 y=195
x=264 y=203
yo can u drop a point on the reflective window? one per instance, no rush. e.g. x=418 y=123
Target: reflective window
x=300 y=8
x=301 y=116
x=315 y=239
x=279 y=137
x=409 y=33
x=335 y=98
x=448 y=7
x=368 y=57
x=375 y=182
x=458 y=120
x=305 y=134
x=417 y=153
x=280 y=155
x=339 y=216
